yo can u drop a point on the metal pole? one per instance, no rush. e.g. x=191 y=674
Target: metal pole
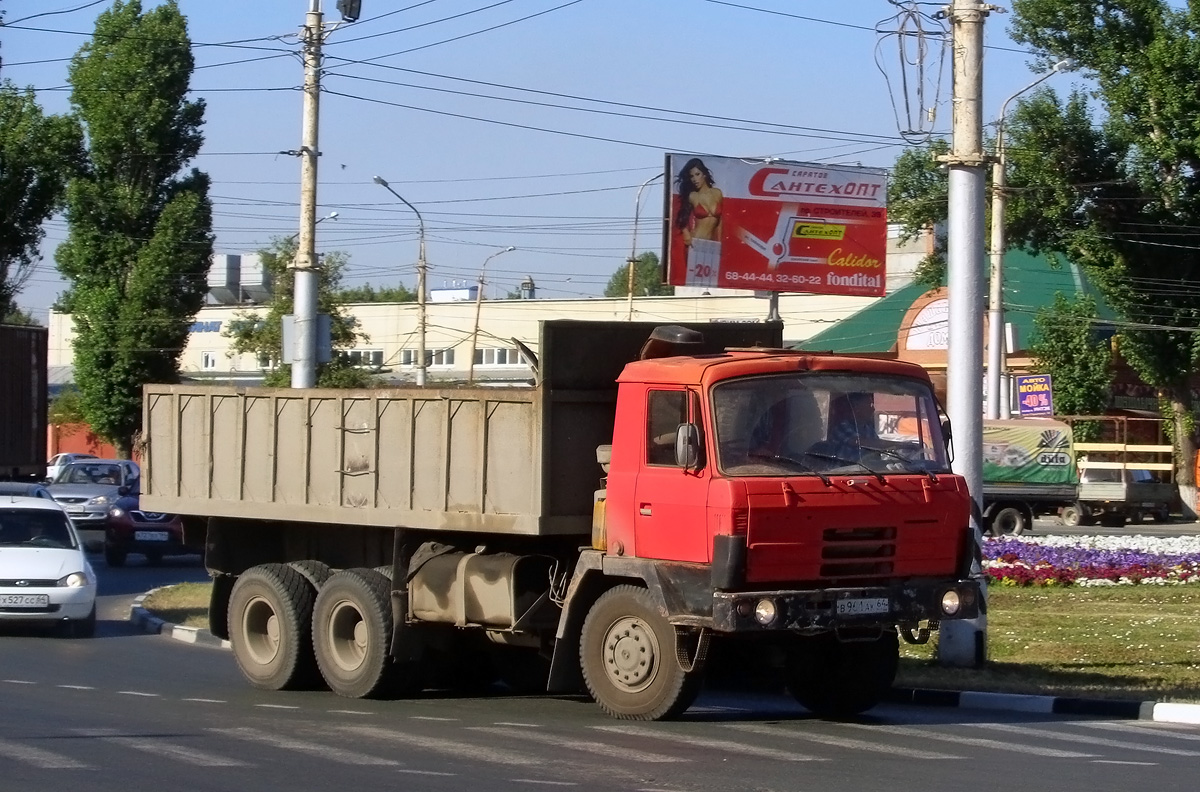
x=996 y=346
x=304 y=354
x=964 y=643
x=421 y=269
x=637 y=210
x=478 y=305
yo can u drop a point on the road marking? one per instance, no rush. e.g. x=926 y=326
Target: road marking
x=431 y=718
x=77 y=687
x=544 y=783
x=452 y=747
x=19 y=682
x=36 y=756
x=153 y=745
x=1114 y=761
x=206 y=701
x=1141 y=729
x=741 y=749
x=278 y=706
x=603 y=749
x=136 y=693
x=424 y=772
x=842 y=742
x=977 y=742
x=1087 y=740
x=308 y=748
x=349 y=712
x=521 y=725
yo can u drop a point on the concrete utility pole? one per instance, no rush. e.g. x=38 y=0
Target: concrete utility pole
x=422 y=267
x=964 y=643
x=996 y=345
x=637 y=211
x=306 y=275
x=478 y=305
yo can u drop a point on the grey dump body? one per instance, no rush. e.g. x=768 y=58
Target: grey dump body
x=512 y=461
x=22 y=402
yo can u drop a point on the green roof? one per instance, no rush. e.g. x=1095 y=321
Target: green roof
x=1030 y=283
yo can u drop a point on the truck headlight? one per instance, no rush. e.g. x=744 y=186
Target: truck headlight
x=765 y=612
x=951 y=603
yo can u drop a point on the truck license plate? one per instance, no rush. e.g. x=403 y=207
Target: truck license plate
x=24 y=600
x=151 y=536
x=857 y=607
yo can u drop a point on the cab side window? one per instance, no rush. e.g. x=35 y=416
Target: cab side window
x=665 y=411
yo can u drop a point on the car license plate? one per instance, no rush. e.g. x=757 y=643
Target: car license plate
x=24 y=601
x=151 y=536
x=857 y=607
x=77 y=512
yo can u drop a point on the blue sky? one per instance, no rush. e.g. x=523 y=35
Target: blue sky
x=521 y=168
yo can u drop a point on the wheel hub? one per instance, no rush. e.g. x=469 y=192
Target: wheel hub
x=630 y=654
x=348 y=636
x=260 y=626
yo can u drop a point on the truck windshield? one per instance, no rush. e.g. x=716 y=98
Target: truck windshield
x=819 y=423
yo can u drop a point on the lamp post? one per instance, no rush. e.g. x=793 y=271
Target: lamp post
x=996 y=346
x=637 y=210
x=330 y=216
x=421 y=267
x=478 y=304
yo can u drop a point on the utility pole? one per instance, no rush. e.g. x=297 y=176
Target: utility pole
x=964 y=643
x=304 y=355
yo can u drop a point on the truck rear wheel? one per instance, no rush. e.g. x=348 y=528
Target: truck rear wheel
x=270 y=623
x=833 y=678
x=627 y=652
x=1072 y=515
x=1009 y=521
x=352 y=629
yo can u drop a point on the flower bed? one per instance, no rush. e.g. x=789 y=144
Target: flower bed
x=1092 y=560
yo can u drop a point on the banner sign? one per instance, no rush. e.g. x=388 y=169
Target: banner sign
x=1038 y=454
x=777 y=226
x=1035 y=394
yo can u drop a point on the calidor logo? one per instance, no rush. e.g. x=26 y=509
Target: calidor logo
x=819 y=231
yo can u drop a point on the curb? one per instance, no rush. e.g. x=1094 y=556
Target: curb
x=1157 y=711
x=147 y=622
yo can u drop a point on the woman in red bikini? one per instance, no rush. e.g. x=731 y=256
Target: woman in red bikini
x=699 y=203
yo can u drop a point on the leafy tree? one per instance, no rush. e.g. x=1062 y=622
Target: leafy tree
x=38 y=153
x=1065 y=345
x=647 y=279
x=1111 y=178
x=17 y=315
x=66 y=408
x=918 y=196
x=369 y=294
x=140 y=228
x=262 y=334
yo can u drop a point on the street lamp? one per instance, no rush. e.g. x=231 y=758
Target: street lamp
x=330 y=216
x=478 y=303
x=995 y=364
x=637 y=210
x=421 y=267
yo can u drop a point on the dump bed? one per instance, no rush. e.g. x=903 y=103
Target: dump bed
x=515 y=460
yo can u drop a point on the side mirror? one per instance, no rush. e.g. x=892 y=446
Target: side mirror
x=687 y=446
x=123 y=489
x=948 y=438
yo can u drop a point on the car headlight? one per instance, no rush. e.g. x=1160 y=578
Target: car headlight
x=100 y=500
x=765 y=611
x=950 y=602
x=116 y=512
x=74 y=580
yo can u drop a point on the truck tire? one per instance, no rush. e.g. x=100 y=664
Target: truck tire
x=1009 y=521
x=270 y=627
x=352 y=630
x=1072 y=515
x=627 y=654
x=835 y=679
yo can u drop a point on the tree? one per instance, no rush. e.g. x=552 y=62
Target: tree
x=1111 y=178
x=647 y=279
x=918 y=197
x=368 y=294
x=38 y=153
x=19 y=316
x=140 y=228
x=262 y=335
x=1065 y=344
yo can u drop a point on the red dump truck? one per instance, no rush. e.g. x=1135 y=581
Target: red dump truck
x=653 y=493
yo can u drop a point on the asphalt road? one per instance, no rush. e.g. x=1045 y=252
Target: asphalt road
x=127 y=711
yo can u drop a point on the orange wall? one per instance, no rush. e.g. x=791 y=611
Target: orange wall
x=78 y=439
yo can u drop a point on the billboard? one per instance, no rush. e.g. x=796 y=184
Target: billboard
x=1035 y=394
x=775 y=226
x=1040 y=453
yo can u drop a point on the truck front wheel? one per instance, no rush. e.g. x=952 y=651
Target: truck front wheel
x=352 y=629
x=627 y=652
x=834 y=679
x=270 y=613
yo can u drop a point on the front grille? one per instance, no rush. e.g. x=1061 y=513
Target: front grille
x=72 y=500
x=28 y=584
x=47 y=609
x=150 y=517
x=857 y=553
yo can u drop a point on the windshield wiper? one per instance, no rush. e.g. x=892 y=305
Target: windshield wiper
x=834 y=457
x=909 y=464
x=802 y=465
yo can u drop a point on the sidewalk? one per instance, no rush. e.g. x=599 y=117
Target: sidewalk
x=1157 y=711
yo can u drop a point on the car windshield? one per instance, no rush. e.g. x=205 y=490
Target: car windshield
x=35 y=528
x=89 y=473
x=816 y=423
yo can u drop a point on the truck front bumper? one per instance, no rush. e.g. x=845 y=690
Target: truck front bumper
x=833 y=608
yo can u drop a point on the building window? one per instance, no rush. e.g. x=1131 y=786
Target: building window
x=503 y=356
x=208 y=361
x=433 y=357
x=264 y=361
x=364 y=357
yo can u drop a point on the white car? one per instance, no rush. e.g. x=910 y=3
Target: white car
x=59 y=461
x=44 y=574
